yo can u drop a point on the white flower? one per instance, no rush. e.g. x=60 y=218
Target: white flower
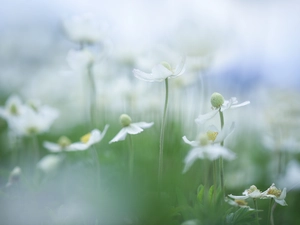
x=13 y=108
x=252 y=192
x=14 y=176
x=276 y=194
x=161 y=72
x=63 y=144
x=88 y=140
x=85 y=29
x=129 y=128
x=227 y=104
x=238 y=203
x=49 y=163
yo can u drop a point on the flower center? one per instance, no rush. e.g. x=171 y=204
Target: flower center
x=216 y=100
x=14 y=110
x=85 y=138
x=211 y=135
x=32 y=130
x=167 y=65
x=241 y=202
x=63 y=141
x=252 y=189
x=274 y=191
x=125 y=120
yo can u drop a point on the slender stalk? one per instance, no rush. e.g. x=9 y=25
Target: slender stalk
x=256 y=208
x=270 y=209
x=161 y=145
x=221 y=158
x=131 y=157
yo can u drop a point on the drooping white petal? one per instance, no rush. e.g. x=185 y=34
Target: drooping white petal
x=242 y=197
x=192 y=143
x=78 y=146
x=213 y=152
x=180 y=68
x=240 y=105
x=120 y=136
x=191 y=157
x=133 y=129
x=225 y=132
x=143 y=76
x=52 y=147
x=203 y=118
x=143 y=124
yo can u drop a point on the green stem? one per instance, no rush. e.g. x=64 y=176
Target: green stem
x=93 y=99
x=131 y=157
x=269 y=212
x=256 y=209
x=161 y=146
x=272 y=211
x=221 y=158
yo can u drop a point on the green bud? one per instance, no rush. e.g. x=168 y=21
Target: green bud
x=14 y=110
x=216 y=100
x=167 y=65
x=125 y=120
x=63 y=141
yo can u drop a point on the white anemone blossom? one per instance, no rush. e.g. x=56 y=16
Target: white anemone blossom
x=252 y=192
x=276 y=194
x=204 y=147
x=129 y=128
x=50 y=163
x=161 y=71
x=219 y=104
x=85 y=28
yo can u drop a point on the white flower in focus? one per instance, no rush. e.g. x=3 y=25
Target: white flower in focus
x=276 y=194
x=219 y=104
x=161 y=72
x=252 y=192
x=49 y=163
x=204 y=148
x=129 y=128
x=85 y=29
x=88 y=140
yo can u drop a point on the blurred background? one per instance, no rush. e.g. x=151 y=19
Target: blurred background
x=247 y=49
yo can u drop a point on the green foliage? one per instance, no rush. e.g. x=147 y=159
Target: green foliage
x=242 y=216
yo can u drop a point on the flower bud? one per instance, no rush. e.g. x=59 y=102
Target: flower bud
x=216 y=100
x=125 y=120
x=63 y=141
x=167 y=65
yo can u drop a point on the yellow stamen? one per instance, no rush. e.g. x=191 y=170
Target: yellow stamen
x=85 y=138
x=274 y=191
x=241 y=202
x=212 y=135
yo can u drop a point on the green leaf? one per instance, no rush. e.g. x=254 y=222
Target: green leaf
x=200 y=192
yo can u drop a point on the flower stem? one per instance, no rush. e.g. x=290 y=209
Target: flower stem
x=161 y=145
x=131 y=157
x=256 y=208
x=221 y=158
x=270 y=209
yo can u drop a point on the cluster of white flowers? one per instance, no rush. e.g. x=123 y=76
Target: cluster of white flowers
x=271 y=193
x=30 y=118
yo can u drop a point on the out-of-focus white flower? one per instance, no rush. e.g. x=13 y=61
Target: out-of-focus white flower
x=14 y=176
x=13 y=108
x=88 y=140
x=129 y=128
x=85 y=29
x=49 y=163
x=291 y=179
x=191 y=222
x=80 y=60
x=238 y=203
x=34 y=121
x=252 y=192
x=161 y=72
x=63 y=144
x=219 y=104
x=276 y=194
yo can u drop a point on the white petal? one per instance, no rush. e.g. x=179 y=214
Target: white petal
x=226 y=131
x=191 y=157
x=52 y=147
x=94 y=138
x=133 y=129
x=180 y=68
x=143 y=76
x=243 y=197
x=240 y=105
x=203 y=118
x=120 y=136
x=213 y=152
x=160 y=72
x=192 y=143
x=143 y=124
x=77 y=146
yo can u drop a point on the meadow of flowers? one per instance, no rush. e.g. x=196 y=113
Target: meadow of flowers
x=113 y=133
